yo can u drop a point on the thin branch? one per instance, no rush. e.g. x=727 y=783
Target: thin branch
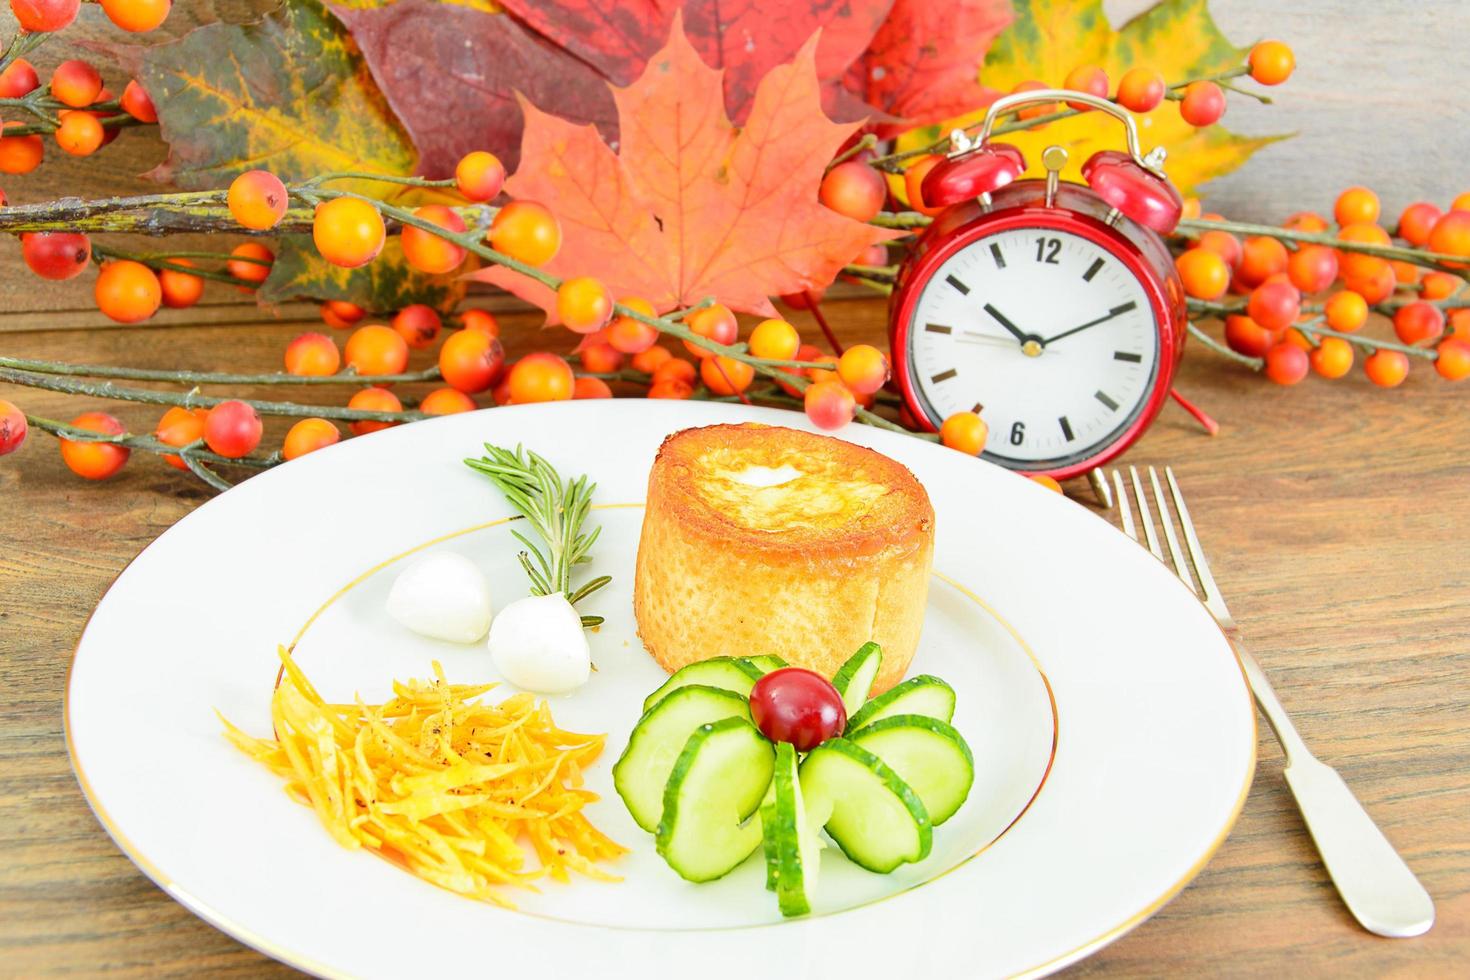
x=214 y=377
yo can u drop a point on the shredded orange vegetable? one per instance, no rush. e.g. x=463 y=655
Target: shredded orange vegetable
x=439 y=783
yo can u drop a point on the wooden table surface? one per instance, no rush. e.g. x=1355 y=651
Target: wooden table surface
x=1335 y=515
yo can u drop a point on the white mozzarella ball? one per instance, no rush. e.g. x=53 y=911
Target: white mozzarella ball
x=538 y=644
x=442 y=595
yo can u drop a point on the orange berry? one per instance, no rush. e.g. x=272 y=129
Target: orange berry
x=829 y=404
x=373 y=400
x=1286 y=364
x=1141 y=90
x=1205 y=274
x=1275 y=305
x=1245 y=336
x=1047 y=481
x=1086 y=78
x=1450 y=235
x=675 y=369
x=257 y=199
x=471 y=360
x=307 y=436
x=347 y=231
x=232 y=429
x=1346 y=311
x=19 y=154
x=599 y=357
x=1356 y=264
x=1312 y=268
x=1260 y=258
x=251 y=262
x=95 y=460
x=1374 y=287
x=1439 y=285
x=446 y=401
x=1416 y=222
x=1203 y=104
x=137 y=103
x=591 y=388
x=629 y=335
x=479 y=175
x=179 y=289
x=79 y=134
x=1223 y=244
x=428 y=252
x=725 y=375
x=136 y=16
x=127 y=291
x=1461 y=202
x=913 y=183
x=583 y=304
x=180 y=427
x=1332 y=357
x=1192 y=208
x=854 y=189
x=967 y=431
x=312 y=355
x=1387 y=368
x=1034 y=111
x=526 y=231
x=1405 y=273
x=1309 y=221
x=672 y=388
x=649 y=360
x=541 y=377
x=339 y=314
x=1453 y=362
x=75 y=83
x=1297 y=339
x=376 y=349
x=1356 y=206
x=480 y=321
x=418 y=325
x=1271 y=62
x=863 y=368
x=1417 y=322
x=38 y=16
x=1459 y=325
x=803 y=300
x=827 y=372
x=774 y=340
x=716 y=323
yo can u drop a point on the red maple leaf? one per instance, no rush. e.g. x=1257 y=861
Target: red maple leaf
x=690 y=206
x=924 y=63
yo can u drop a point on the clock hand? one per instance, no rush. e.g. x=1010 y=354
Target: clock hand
x=971 y=337
x=1000 y=318
x=1115 y=311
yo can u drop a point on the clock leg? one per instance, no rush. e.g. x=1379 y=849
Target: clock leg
x=1100 y=488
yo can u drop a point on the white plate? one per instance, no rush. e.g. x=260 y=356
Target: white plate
x=1112 y=729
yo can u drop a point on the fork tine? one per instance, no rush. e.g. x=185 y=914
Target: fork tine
x=1167 y=522
x=1145 y=517
x=1196 y=553
x=1124 y=511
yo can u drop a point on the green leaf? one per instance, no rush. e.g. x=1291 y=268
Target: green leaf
x=384 y=285
x=288 y=94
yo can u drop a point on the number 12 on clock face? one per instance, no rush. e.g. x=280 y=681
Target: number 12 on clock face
x=1048 y=334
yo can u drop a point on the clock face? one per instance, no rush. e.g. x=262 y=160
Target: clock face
x=1045 y=333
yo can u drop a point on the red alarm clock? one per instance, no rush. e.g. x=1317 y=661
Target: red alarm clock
x=1051 y=308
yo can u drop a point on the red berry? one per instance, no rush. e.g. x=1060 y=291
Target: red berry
x=854 y=189
x=1203 y=104
x=1086 y=78
x=56 y=254
x=76 y=83
x=1246 y=336
x=12 y=428
x=829 y=404
x=1312 y=268
x=479 y=175
x=797 y=706
x=44 y=15
x=418 y=325
x=1416 y=222
x=19 y=78
x=232 y=429
x=1286 y=364
x=1141 y=90
x=137 y=103
x=1418 y=321
x=1275 y=305
x=715 y=323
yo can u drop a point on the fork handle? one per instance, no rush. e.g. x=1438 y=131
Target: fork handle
x=1373 y=880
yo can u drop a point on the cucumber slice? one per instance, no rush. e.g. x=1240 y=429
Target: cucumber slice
x=642 y=771
x=726 y=673
x=927 y=754
x=923 y=695
x=716 y=784
x=793 y=844
x=872 y=814
x=855 y=678
x=765 y=663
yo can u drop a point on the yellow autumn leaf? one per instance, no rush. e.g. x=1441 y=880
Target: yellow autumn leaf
x=1049 y=38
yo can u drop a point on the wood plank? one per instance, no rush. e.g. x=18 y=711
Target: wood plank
x=1334 y=515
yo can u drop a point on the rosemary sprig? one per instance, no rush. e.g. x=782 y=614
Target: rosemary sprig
x=557 y=509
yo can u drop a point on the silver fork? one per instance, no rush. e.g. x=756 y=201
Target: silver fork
x=1374 y=882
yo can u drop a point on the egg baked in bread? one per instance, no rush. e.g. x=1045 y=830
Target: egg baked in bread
x=765 y=540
